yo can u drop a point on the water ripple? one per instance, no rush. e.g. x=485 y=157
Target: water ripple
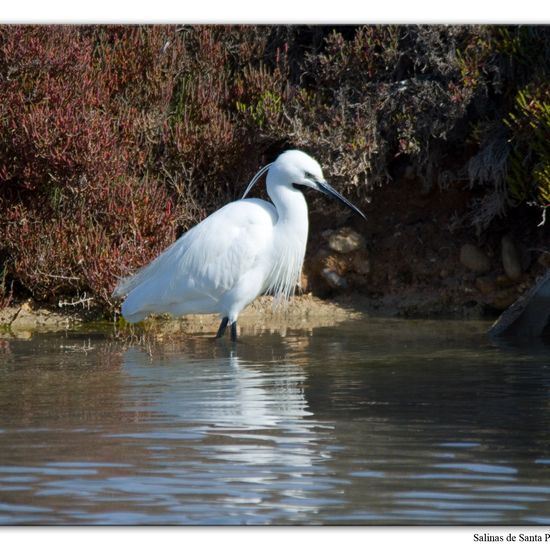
x=381 y=422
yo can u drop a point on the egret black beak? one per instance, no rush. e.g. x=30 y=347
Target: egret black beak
x=325 y=188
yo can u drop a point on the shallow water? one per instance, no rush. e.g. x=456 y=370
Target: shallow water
x=370 y=422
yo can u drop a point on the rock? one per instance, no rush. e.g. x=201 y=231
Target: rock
x=339 y=263
x=304 y=281
x=501 y=299
x=345 y=240
x=25 y=317
x=510 y=258
x=361 y=263
x=503 y=281
x=474 y=259
x=333 y=279
x=486 y=285
x=529 y=316
x=544 y=259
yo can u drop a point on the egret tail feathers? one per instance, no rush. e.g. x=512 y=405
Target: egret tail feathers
x=127 y=284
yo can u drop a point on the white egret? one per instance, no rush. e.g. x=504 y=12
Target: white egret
x=244 y=249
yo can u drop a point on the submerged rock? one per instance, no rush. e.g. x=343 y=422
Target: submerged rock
x=529 y=316
x=474 y=259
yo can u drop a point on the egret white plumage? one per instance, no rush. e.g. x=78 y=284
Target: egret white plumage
x=246 y=248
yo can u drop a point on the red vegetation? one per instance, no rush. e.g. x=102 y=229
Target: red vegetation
x=115 y=139
x=79 y=208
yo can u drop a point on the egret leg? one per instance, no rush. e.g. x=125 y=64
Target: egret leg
x=221 y=329
x=234 y=331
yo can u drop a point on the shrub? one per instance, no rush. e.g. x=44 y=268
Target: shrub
x=80 y=104
x=513 y=160
x=529 y=121
x=115 y=139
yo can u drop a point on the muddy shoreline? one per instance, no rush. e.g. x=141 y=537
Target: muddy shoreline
x=301 y=312
x=401 y=262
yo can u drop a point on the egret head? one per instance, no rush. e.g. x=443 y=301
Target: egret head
x=297 y=170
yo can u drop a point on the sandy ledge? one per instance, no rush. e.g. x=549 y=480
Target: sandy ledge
x=301 y=312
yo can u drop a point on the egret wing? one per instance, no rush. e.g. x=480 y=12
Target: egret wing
x=225 y=246
x=208 y=260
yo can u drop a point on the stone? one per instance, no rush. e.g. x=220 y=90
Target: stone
x=361 y=263
x=502 y=299
x=486 y=285
x=345 y=240
x=529 y=316
x=544 y=259
x=304 y=281
x=503 y=281
x=474 y=259
x=510 y=258
x=333 y=279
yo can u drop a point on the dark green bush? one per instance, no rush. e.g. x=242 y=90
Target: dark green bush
x=513 y=134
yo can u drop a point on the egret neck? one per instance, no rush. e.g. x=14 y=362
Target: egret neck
x=291 y=231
